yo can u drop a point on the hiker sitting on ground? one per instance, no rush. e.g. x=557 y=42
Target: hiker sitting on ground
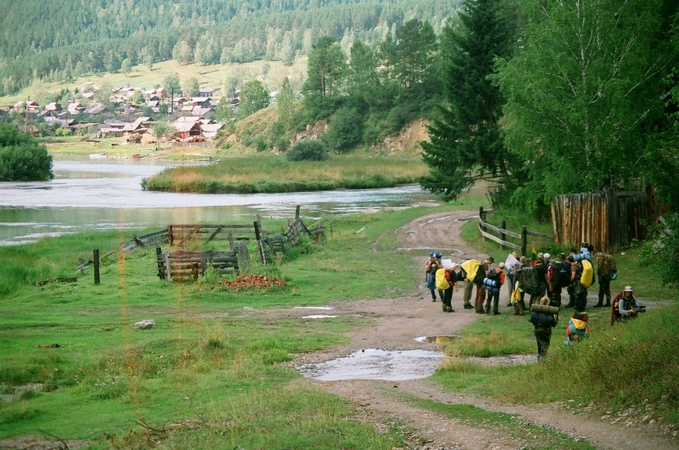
x=625 y=306
x=578 y=327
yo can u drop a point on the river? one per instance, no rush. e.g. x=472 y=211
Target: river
x=104 y=194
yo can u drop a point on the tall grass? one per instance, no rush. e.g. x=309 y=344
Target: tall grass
x=268 y=174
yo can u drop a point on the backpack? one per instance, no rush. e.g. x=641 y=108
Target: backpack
x=587 y=274
x=461 y=275
x=528 y=280
x=562 y=274
x=493 y=274
x=492 y=284
x=441 y=282
x=480 y=275
x=542 y=320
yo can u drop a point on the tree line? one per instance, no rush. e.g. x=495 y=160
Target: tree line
x=558 y=96
x=57 y=41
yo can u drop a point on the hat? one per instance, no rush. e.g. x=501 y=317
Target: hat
x=438 y=255
x=432 y=254
x=491 y=259
x=628 y=289
x=546 y=256
x=501 y=265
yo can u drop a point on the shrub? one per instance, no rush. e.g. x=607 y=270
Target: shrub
x=22 y=158
x=346 y=130
x=308 y=150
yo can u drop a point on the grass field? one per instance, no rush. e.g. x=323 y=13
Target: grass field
x=213 y=374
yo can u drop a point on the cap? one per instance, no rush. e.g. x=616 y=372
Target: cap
x=491 y=259
x=501 y=265
x=628 y=289
x=546 y=256
x=432 y=254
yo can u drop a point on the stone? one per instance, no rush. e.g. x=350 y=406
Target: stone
x=145 y=324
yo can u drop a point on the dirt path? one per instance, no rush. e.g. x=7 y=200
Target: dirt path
x=396 y=324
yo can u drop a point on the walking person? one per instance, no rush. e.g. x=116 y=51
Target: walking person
x=433 y=264
x=478 y=282
x=543 y=324
x=451 y=281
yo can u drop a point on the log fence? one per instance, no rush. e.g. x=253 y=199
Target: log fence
x=485 y=228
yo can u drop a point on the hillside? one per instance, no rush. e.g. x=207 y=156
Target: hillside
x=49 y=42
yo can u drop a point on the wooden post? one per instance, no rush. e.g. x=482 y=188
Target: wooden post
x=482 y=216
x=524 y=240
x=502 y=235
x=95 y=260
x=260 y=247
x=161 y=263
x=297 y=212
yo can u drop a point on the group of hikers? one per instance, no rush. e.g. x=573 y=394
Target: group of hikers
x=543 y=280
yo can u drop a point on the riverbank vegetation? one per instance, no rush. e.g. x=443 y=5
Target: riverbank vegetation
x=270 y=174
x=22 y=157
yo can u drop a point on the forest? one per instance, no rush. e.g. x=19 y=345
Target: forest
x=57 y=41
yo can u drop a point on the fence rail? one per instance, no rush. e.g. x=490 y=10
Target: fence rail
x=504 y=232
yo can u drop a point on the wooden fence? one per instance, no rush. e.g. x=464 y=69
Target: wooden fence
x=182 y=265
x=522 y=237
x=608 y=220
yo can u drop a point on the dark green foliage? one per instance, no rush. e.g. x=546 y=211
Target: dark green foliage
x=326 y=70
x=22 y=158
x=466 y=141
x=662 y=250
x=346 y=130
x=308 y=150
x=253 y=97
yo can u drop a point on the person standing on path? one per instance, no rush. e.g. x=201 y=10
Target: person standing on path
x=451 y=277
x=493 y=284
x=433 y=264
x=478 y=281
x=605 y=267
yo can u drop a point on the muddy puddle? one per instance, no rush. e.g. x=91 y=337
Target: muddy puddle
x=376 y=364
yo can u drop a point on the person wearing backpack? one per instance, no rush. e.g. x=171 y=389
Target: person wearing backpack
x=606 y=268
x=625 y=306
x=579 y=290
x=450 y=276
x=578 y=327
x=493 y=284
x=543 y=324
x=478 y=282
x=433 y=264
x=559 y=277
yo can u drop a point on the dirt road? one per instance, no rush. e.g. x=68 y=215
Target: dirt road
x=396 y=324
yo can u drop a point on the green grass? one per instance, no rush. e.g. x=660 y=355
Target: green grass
x=270 y=174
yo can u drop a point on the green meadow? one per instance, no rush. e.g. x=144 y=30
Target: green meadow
x=216 y=371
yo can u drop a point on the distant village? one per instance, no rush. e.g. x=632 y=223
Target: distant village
x=194 y=117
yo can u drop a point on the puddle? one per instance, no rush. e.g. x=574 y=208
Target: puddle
x=323 y=308
x=318 y=316
x=506 y=360
x=376 y=364
x=436 y=339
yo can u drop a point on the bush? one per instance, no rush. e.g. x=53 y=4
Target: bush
x=346 y=130
x=308 y=150
x=22 y=158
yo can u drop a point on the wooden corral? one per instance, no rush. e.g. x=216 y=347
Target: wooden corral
x=608 y=220
x=180 y=235
x=485 y=228
x=182 y=265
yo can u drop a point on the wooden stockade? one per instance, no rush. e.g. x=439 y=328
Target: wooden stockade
x=608 y=220
x=485 y=227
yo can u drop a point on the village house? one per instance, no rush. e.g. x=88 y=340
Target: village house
x=210 y=130
x=50 y=110
x=187 y=129
x=206 y=91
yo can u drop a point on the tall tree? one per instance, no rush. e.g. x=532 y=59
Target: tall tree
x=325 y=74
x=466 y=142
x=253 y=97
x=191 y=87
x=286 y=104
x=580 y=93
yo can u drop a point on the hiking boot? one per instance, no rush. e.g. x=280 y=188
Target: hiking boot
x=433 y=299
x=449 y=309
x=607 y=305
x=468 y=306
x=598 y=305
x=570 y=305
x=496 y=313
x=509 y=304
